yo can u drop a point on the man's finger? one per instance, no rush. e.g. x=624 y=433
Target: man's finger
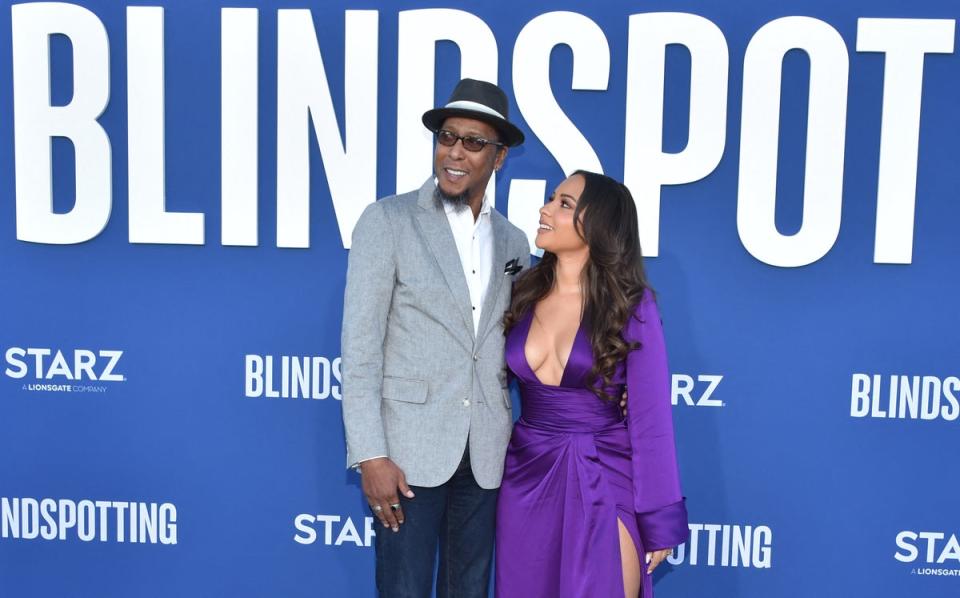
x=398 y=512
x=404 y=488
x=389 y=513
x=377 y=511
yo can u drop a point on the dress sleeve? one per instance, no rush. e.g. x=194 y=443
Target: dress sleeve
x=657 y=499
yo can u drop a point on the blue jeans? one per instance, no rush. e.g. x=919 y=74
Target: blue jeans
x=459 y=517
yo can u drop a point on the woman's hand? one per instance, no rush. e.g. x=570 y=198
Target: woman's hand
x=655 y=558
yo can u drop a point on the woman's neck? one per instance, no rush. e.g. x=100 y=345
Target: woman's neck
x=569 y=269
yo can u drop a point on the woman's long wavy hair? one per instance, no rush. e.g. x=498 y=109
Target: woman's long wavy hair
x=612 y=280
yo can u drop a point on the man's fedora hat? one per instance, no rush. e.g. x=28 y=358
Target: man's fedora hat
x=479 y=100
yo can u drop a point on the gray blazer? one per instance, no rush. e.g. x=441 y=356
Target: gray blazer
x=417 y=381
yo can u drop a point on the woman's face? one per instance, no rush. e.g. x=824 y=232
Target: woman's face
x=557 y=233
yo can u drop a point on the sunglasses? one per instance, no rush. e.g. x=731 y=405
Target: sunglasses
x=471 y=143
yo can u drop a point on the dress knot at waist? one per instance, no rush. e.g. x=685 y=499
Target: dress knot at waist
x=565 y=409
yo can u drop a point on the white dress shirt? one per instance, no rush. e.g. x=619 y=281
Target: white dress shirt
x=474 y=240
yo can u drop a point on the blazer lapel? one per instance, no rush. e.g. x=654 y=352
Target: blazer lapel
x=439 y=238
x=498 y=224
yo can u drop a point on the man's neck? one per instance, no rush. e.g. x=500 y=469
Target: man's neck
x=476 y=204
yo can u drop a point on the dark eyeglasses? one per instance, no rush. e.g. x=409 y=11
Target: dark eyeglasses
x=471 y=143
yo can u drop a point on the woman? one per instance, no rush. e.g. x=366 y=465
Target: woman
x=586 y=491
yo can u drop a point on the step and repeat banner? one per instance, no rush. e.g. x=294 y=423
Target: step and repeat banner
x=178 y=185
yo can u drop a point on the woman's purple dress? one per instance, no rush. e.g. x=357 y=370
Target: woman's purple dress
x=575 y=465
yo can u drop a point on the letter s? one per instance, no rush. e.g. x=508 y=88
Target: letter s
x=911 y=550
x=310 y=534
x=12 y=354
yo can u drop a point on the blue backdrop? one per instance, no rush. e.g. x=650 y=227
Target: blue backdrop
x=154 y=435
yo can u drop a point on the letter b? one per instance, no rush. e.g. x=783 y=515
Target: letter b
x=36 y=122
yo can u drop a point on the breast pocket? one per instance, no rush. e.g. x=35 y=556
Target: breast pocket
x=405 y=390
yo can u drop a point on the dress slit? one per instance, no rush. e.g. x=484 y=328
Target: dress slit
x=631 y=531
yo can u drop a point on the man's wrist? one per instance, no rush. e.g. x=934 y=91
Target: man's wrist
x=356 y=466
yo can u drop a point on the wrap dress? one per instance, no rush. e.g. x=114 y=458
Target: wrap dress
x=574 y=466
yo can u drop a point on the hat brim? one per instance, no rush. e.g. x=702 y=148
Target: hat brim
x=510 y=135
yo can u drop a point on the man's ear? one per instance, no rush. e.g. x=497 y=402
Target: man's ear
x=500 y=157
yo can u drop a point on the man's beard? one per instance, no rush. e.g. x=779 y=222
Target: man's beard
x=459 y=202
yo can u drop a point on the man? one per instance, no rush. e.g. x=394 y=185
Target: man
x=425 y=403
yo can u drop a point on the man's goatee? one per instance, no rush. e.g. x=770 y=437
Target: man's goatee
x=459 y=202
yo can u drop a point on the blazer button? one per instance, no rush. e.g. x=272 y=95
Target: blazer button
x=475 y=357
x=466 y=402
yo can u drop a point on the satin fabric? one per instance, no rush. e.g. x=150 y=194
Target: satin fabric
x=575 y=466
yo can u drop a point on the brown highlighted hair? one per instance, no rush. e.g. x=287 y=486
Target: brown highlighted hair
x=612 y=280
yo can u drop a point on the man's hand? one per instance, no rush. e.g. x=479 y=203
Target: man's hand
x=381 y=479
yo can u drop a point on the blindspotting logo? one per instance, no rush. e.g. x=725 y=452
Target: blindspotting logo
x=696 y=392
x=347 y=151
x=291 y=377
x=333 y=530
x=938 y=552
x=726 y=545
x=55 y=370
x=87 y=520
x=905 y=397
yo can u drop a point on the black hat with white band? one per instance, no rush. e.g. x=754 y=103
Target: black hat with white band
x=479 y=100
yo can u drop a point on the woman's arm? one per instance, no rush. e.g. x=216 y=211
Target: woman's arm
x=658 y=502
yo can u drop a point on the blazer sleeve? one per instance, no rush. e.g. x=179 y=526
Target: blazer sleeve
x=371 y=276
x=658 y=502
